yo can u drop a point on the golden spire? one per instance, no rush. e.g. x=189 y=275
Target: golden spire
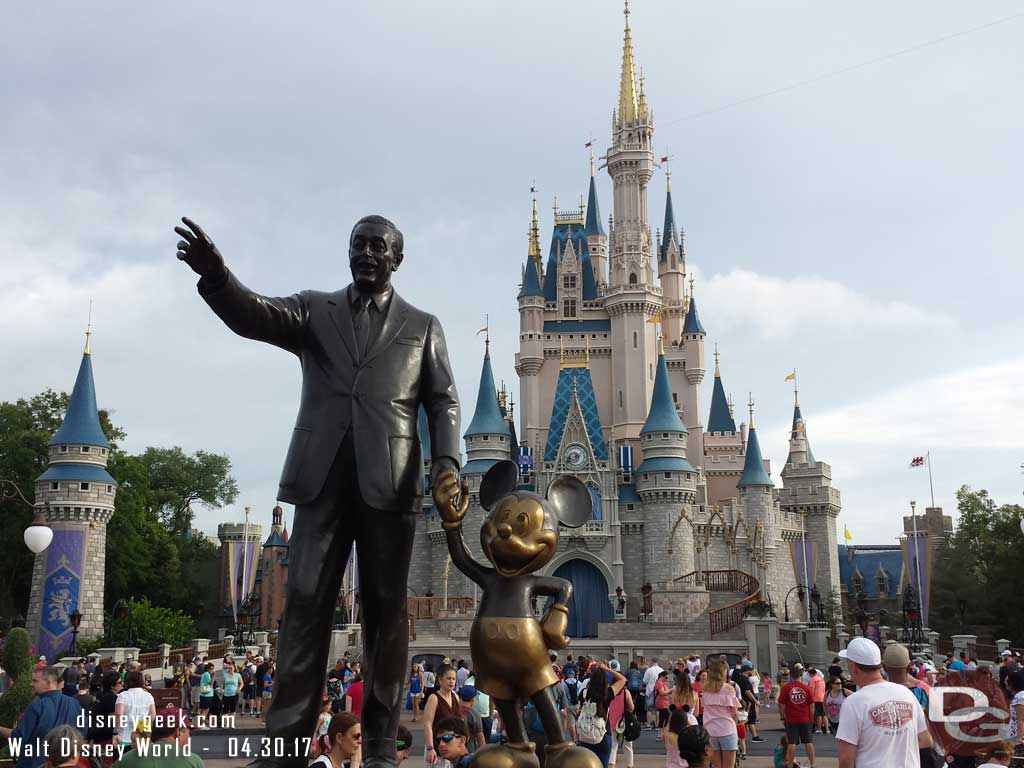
x=642 y=99
x=661 y=345
x=691 y=285
x=502 y=396
x=668 y=176
x=796 y=394
x=750 y=407
x=88 y=332
x=627 y=83
x=717 y=372
x=732 y=407
x=534 y=249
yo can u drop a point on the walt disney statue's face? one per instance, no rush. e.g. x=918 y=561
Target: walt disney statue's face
x=514 y=536
x=372 y=256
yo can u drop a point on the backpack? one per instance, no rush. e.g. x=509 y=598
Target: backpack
x=590 y=728
x=628 y=727
x=922 y=697
x=573 y=691
x=246 y=675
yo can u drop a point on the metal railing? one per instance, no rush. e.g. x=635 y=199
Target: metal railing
x=789 y=635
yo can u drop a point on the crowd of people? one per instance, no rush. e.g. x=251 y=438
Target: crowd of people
x=703 y=711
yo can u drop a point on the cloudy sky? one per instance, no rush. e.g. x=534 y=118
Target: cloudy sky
x=863 y=226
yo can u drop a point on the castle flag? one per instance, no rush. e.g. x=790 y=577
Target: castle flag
x=918 y=461
x=791 y=376
x=846 y=533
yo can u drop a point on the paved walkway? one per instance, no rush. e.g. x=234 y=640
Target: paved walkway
x=213 y=747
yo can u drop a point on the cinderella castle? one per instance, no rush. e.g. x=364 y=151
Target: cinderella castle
x=688 y=526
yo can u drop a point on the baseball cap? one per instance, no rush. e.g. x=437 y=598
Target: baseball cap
x=1007 y=652
x=614 y=664
x=863 y=651
x=896 y=656
x=747 y=664
x=467 y=693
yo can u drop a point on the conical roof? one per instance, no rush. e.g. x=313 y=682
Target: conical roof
x=81 y=425
x=487 y=419
x=754 y=472
x=662 y=416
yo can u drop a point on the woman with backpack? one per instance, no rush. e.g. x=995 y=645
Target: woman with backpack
x=592 y=725
x=623 y=723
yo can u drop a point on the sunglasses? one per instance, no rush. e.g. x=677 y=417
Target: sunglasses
x=400 y=745
x=447 y=737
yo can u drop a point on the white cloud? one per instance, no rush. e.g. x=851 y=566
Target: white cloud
x=969 y=420
x=779 y=307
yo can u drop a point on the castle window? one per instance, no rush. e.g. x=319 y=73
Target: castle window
x=650 y=371
x=664 y=434
x=487 y=437
x=668 y=475
x=569 y=307
x=569 y=282
x=634 y=339
x=629 y=507
x=63 y=449
x=858 y=582
x=882 y=582
x=103 y=451
x=110 y=489
x=54 y=486
x=675 y=397
x=85 y=449
x=632 y=278
x=83 y=486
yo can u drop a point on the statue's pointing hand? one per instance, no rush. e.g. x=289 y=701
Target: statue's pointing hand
x=451 y=499
x=198 y=251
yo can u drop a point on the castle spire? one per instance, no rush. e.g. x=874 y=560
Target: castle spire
x=81 y=425
x=668 y=236
x=487 y=418
x=534 y=249
x=663 y=416
x=754 y=473
x=628 y=105
x=692 y=324
x=593 y=225
x=720 y=419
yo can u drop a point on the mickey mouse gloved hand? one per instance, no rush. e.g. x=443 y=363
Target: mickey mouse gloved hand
x=451 y=500
x=553 y=626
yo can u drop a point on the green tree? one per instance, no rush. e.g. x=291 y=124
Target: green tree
x=18 y=664
x=149 y=550
x=978 y=569
x=177 y=481
x=153 y=624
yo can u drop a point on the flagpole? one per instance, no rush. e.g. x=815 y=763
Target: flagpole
x=930 y=486
x=803 y=551
x=917 y=563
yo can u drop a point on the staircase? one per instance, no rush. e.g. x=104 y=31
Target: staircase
x=727 y=613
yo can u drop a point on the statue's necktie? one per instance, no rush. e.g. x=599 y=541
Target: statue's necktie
x=363 y=327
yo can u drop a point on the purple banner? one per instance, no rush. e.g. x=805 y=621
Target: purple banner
x=61 y=587
x=917 y=566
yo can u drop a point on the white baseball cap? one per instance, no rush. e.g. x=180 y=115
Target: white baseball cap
x=862 y=651
x=1006 y=653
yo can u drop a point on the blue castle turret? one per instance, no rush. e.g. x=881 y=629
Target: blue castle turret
x=78 y=494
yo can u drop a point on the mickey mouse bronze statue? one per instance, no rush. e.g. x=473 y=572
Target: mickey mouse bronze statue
x=509 y=646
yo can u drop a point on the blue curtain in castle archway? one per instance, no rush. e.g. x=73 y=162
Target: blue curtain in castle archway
x=589 y=602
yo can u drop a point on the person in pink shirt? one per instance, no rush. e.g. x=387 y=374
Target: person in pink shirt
x=720 y=707
x=817 y=686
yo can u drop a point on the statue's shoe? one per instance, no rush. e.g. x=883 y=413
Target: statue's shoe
x=506 y=756
x=568 y=755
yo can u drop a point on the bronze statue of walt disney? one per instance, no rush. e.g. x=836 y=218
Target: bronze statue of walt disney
x=509 y=645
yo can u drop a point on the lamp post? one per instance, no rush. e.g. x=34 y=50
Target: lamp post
x=76 y=620
x=800 y=595
x=38 y=534
x=913 y=633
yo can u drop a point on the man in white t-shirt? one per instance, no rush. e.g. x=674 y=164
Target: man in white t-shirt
x=882 y=723
x=650 y=678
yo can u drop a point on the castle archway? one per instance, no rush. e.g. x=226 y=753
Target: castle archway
x=589 y=604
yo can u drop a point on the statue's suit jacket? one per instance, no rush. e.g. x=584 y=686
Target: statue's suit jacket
x=377 y=397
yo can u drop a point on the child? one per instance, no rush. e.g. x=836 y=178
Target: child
x=451 y=735
x=321 y=742
x=780 y=752
x=767 y=689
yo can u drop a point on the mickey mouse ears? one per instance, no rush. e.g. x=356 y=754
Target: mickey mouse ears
x=500 y=480
x=571 y=501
